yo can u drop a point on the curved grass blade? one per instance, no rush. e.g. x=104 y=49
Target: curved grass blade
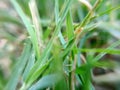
x=46 y=81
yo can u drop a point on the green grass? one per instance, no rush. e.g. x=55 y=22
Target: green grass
x=61 y=52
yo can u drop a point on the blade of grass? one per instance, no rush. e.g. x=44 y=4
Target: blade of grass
x=87 y=77
x=115 y=44
x=56 y=11
x=110 y=64
x=29 y=27
x=69 y=25
x=30 y=64
x=36 y=20
x=44 y=82
x=57 y=20
x=108 y=11
x=70 y=35
x=100 y=50
x=18 y=69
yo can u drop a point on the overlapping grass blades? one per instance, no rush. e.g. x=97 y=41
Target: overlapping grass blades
x=35 y=69
x=46 y=52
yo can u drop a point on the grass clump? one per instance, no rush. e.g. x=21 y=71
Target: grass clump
x=62 y=43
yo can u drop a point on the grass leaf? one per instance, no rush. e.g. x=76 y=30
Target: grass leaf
x=29 y=65
x=108 y=11
x=99 y=50
x=57 y=20
x=28 y=26
x=69 y=24
x=44 y=82
x=115 y=44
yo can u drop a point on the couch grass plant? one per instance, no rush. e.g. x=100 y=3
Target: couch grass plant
x=57 y=53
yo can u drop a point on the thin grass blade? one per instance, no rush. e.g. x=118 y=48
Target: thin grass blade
x=29 y=65
x=46 y=81
x=29 y=27
x=46 y=52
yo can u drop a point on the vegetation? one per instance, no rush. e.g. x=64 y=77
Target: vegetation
x=60 y=45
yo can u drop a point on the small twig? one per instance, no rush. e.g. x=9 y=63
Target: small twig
x=83 y=58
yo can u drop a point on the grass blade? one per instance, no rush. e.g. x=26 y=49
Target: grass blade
x=44 y=82
x=70 y=28
x=30 y=64
x=29 y=27
x=108 y=11
x=110 y=47
x=57 y=20
x=35 y=20
x=99 y=50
